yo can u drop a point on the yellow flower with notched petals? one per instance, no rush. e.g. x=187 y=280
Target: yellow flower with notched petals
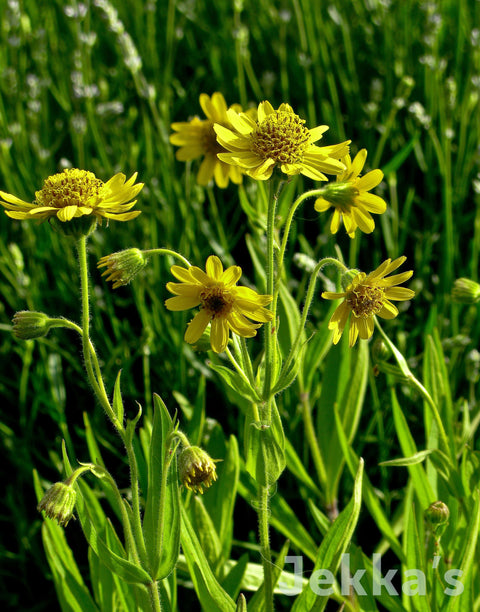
x=221 y=302
x=350 y=198
x=278 y=138
x=367 y=296
x=196 y=138
x=76 y=193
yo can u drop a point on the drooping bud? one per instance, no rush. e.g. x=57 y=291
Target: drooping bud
x=437 y=515
x=123 y=266
x=58 y=502
x=466 y=291
x=29 y=324
x=196 y=469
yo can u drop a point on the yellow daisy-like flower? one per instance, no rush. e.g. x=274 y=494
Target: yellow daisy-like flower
x=221 y=302
x=278 y=138
x=196 y=138
x=76 y=193
x=367 y=296
x=350 y=198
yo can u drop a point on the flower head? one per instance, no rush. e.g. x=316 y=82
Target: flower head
x=278 y=138
x=196 y=469
x=466 y=291
x=367 y=296
x=350 y=198
x=28 y=324
x=123 y=266
x=77 y=193
x=58 y=502
x=196 y=138
x=221 y=302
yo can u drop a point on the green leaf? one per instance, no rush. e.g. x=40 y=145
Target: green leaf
x=465 y=564
x=423 y=489
x=369 y=494
x=404 y=461
x=211 y=595
x=257 y=603
x=334 y=545
x=296 y=467
x=232 y=583
x=72 y=593
x=117 y=399
x=265 y=449
x=161 y=522
x=415 y=556
x=236 y=382
x=205 y=530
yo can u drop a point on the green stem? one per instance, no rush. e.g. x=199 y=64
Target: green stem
x=271 y=327
x=168 y=252
x=418 y=385
x=265 y=546
x=312 y=438
x=154 y=596
x=135 y=488
x=95 y=380
x=308 y=300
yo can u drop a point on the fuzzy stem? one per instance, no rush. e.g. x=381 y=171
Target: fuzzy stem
x=160 y=251
x=95 y=380
x=154 y=596
x=263 y=512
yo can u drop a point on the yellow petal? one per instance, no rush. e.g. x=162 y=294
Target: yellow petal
x=214 y=267
x=181 y=302
x=219 y=335
x=370 y=180
x=197 y=326
x=66 y=213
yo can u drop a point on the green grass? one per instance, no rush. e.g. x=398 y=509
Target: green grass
x=398 y=78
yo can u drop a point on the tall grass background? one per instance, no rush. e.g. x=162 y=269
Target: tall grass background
x=97 y=84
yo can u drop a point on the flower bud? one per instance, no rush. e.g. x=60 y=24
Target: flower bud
x=340 y=194
x=123 y=266
x=466 y=291
x=28 y=324
x=437 y=515
x=58 y=502
x=196 y=469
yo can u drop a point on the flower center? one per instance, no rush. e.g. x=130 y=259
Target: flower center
x=365 y=301
x=282 y=137
x=72 y=187
x=217 y=301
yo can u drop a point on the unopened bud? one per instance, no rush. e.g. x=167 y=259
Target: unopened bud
x=466 y=291
x=123 y=266
x=58 y=502
x=196 y=469
x=28 y=324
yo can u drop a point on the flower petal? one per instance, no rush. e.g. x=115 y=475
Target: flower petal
x=219 y=335
x=197 y=326
x=181 y=302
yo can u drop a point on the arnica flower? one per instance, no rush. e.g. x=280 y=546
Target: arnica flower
x=123 y=266
x=58 y=502
x=196 y=469
x=278 y=138
x=221 y=302
x=350 y=198
x=367 y=296
x=196 y=138
x=76 y=193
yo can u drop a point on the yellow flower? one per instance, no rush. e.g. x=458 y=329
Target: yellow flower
x=367 y=296
x=221 y=302
x=278 y=138
x=75 y=193
x=350 y=198
x=197 y=137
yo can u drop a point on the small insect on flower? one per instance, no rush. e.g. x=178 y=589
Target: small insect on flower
x=223 y=304
x=278 y=138
x=367 y=296
x=350 y=197
x=74 y=193
x=197 y=138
